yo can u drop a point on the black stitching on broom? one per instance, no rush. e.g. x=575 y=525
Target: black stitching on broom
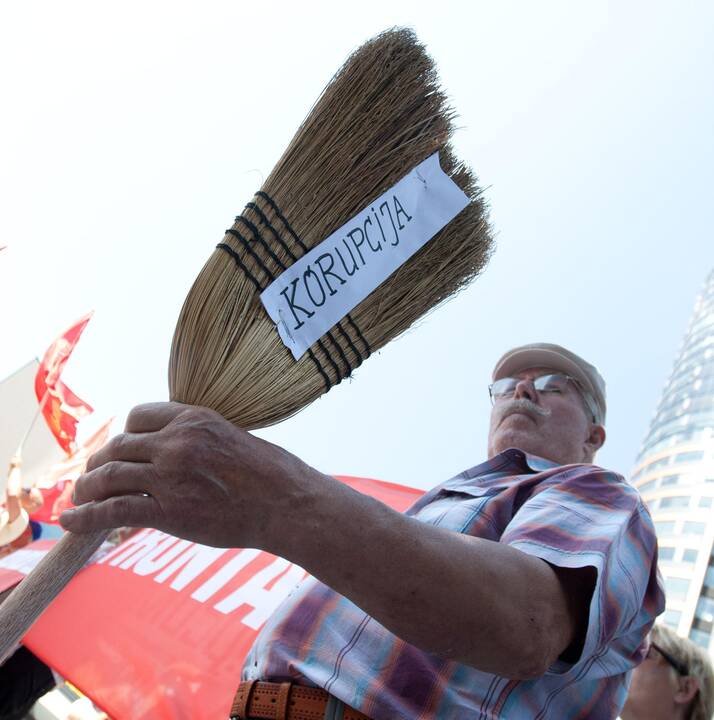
x=251 y=252
x=348 y=339
x=276 y=235
x=239 y=262
x=321 y=370
x=342 y=354
x=259 y=288
x=359 y=334
x=259 y=238
x=281 y=217
x=297 y=239
x=335 y=366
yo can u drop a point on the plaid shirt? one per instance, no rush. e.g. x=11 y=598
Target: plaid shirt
x=570 y=516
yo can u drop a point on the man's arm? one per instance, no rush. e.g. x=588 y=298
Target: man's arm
x=187 y=471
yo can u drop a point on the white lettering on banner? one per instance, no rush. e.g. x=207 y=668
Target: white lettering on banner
x=152 y=551
x=262 y=600
x=142 y=544
x=324 y=285
x=224 y=575
x=160 y=557
x=128 y=547
x=196 y=559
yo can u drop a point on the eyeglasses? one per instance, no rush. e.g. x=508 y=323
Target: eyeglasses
x=680 y=667
x=555 y=383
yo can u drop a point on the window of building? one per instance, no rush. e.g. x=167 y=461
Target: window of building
x=650 y=484
x=666 y=553
x=675 y=501
x=658 y=464
x=676 y=588
x=699 y=637
x=688 y=457
x=705 y=608
x=694 y=528
x=690 y=555
x=669 y=480
x=672 y=618
x=664 y=528
x=705 y=502
x=703 y=623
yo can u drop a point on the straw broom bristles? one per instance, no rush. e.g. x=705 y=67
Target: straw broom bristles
x=381 y=115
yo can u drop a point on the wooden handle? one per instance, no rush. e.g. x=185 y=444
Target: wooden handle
x=29 y=599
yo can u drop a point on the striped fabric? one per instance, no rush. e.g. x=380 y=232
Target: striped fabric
x=570 y=516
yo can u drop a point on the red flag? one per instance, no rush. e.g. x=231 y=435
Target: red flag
x=60 y=406
x=58 y=484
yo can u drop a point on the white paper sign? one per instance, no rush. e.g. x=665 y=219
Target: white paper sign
x=323 y=286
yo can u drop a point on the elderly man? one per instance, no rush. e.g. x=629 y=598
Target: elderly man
x=523 y=588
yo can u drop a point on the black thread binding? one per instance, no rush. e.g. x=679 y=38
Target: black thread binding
x=263 y=218
x=342 y=354
x=281 y=217
x=335 y=366
x=297 y=239
x=348 y=340
x=320 y=369
x=251 y=252
x=227 y=248
x=259 y=238
x=353 y=324
x=239 y=262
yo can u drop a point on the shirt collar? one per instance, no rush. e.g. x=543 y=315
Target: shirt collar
x=512 y=461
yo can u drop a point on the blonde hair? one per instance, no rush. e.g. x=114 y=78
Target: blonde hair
x=698 y=663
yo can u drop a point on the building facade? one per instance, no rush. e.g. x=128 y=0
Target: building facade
x=675 y=475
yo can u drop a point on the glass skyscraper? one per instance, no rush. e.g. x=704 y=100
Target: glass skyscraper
x=675 y=475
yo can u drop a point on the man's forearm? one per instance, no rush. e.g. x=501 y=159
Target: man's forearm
x=472 y=600
x=188 y=472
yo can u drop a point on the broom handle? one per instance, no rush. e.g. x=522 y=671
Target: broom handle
x=29 y=599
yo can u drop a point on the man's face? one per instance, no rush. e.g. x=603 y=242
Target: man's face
x=555 y=426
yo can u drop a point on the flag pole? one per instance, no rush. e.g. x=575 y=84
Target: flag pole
x=40 y=407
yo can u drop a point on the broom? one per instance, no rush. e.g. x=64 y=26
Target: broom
x=381 y=116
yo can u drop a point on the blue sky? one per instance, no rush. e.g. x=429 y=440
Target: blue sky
x=132 y=134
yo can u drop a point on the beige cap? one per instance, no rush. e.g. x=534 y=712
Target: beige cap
x=558 y=358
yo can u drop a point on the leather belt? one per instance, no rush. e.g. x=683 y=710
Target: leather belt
x=256 y=700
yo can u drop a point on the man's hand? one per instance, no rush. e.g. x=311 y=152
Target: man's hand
x=189 y=472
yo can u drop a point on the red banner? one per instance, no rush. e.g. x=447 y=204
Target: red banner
x=158 y=628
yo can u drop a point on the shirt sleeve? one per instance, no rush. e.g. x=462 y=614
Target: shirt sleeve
x=586 y=516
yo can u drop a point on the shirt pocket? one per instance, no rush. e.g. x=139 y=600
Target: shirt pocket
x=463 y=510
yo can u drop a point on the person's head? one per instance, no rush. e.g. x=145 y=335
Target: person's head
x=31 y=500
x=675 y=681
x=547 y=401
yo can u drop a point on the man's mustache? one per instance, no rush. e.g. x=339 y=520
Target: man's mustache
x=520 y=405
